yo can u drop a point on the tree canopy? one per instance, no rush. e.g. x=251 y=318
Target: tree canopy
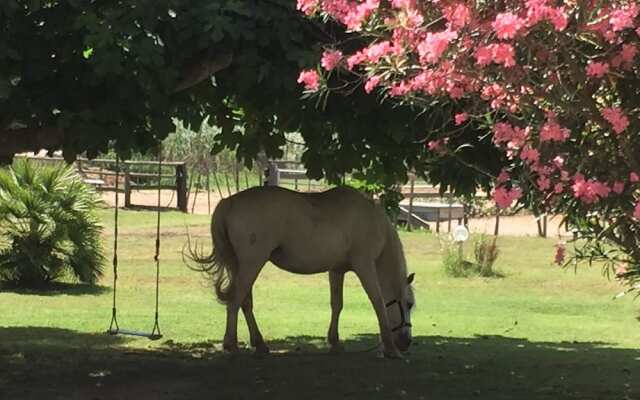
x=81 y=75
x=556 y=82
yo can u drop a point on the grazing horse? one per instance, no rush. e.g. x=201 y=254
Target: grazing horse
x=337 y=231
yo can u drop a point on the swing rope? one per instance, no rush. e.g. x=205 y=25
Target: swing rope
x=114 y=318
x=114 y=328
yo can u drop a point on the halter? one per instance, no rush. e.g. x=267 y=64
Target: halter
x=403 y=320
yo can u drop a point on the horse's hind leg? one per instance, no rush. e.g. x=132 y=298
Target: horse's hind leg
x=254 y=333
x=336 y=282
x=243 y=282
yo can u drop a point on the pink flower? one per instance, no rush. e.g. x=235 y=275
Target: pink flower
x=310 y=79
x=400 y=89
x=307 y=6
x=458 y=15
x=461 y=118
x=634 y=177
x=438 y=146
x=597 y=69
x=371 y=83
x=558 y=188
x=378 y=50
x=544 y=183
x=618 y=187
x=552 y=131
x=434 y=45
x=507 y=25
x=558 y=161
x=622 y=269
x=503 y=176
x=356 y=59
x=560 y=253
x=530 y=155
x=636 y=211
x=504 y=54
x=484 y=55
x=623 y=18
x=589 y=191
x=505 y=197
x=558 y=17
x=330 y=59
x=616 y=118
x=628 y=52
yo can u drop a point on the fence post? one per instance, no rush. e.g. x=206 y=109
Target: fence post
x=181 y=187
x=450 y=213
x=127 y=187
x=273 y=175
x=410 y=216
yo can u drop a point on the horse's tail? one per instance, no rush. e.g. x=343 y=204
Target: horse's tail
x=221 y=264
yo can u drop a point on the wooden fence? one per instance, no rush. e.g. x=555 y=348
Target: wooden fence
x=134 y=175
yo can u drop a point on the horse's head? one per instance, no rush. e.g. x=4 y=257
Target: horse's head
x=399 y=312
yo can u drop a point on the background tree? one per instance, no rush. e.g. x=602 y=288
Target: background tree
x=80 y=75
x=556 y=83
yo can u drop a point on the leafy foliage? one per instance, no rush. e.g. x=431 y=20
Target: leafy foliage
x=48 y=221
x=106 y=71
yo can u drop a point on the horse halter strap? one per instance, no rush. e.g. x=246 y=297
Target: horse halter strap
x=403 y=319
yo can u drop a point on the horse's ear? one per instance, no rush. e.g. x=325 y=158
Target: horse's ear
x=410 y=278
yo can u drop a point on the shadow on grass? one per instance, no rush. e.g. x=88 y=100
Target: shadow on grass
x=57 y=289
x=50 y=363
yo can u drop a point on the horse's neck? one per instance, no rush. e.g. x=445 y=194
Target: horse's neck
x=392 y=268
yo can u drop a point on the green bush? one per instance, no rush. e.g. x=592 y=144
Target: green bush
x=48 y=226
x=485 y=252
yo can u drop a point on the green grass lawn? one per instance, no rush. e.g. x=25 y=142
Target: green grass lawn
x=539 y=332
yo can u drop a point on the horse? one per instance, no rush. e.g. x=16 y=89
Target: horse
x=338 y=230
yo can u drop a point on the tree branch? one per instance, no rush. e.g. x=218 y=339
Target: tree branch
x=21 y=140
x=203 y=69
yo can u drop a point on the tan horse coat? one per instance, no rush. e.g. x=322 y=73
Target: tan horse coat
x=338 y=230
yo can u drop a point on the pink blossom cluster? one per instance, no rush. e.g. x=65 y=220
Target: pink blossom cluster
x=515 y=62
x=310 y=79
x=349 y=12
x=589 y=191
x=615 y=116
x=504 y=197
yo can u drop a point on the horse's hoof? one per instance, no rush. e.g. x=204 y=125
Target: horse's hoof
x=336 y=349
x=393 y=355
x=261 y=351
x=231 y=348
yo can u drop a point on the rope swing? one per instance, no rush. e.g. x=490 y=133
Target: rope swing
x=114 y=328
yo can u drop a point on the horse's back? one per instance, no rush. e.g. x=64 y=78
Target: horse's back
x=304 y=232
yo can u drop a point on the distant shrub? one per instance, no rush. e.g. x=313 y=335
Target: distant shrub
x=48 y=226
x=485 y=252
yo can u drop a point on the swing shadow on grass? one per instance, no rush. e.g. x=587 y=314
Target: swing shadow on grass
x=56 y=289
x=57 y=363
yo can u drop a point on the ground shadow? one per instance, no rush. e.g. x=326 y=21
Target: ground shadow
x=56 y=289
x=483 y=367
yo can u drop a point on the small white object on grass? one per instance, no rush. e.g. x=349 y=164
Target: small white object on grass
x=460 y=233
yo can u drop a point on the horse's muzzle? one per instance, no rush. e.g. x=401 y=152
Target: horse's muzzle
x=403 y=341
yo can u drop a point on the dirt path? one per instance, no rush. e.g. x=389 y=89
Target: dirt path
x=520 y=225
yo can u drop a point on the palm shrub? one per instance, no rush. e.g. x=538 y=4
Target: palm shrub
x=48 y=226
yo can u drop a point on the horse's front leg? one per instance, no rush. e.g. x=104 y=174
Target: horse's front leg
x=242 y=284
x=369 y=279
x=336 y=282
